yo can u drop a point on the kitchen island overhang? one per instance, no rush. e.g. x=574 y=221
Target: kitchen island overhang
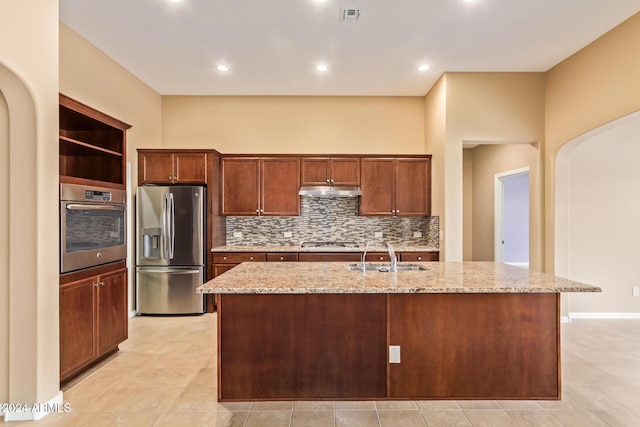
x=290 y=331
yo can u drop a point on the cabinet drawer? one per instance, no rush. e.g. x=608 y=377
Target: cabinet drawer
x=329 y=256
x=377 y=256
x=238 y=257
x=282 y=256
x=419 y=256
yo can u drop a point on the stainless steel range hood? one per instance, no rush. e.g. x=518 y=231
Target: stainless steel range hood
x=330 y=191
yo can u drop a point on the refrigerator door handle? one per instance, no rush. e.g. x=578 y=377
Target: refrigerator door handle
x=165 y=240
x=173 y=225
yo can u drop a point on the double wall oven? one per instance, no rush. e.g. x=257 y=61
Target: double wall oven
x=92 y=226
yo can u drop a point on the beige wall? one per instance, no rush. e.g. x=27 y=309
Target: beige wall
x=29 y=87
x=435 y=143
x=90 y=76
x=286 y=124
x=602 y=210
x=589 y=89
x=490 y=107
x=467 y=205
x=486 y=161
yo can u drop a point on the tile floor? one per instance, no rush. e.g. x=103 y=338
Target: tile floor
x=165 y=375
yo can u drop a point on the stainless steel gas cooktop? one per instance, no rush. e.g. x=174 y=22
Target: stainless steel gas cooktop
x=330 y=245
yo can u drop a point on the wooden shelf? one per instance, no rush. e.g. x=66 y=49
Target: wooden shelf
x=92 y=145
x=78 y=148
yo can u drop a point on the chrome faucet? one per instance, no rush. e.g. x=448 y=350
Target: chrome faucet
x=392 y=258
x=364 y=255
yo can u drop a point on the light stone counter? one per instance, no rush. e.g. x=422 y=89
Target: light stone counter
x=335 y=278
x=298 y=248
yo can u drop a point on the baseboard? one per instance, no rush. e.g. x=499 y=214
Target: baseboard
x=603 y=316
x=132 y=313
x=519 y=264
x=565 y=319
x=28 y=411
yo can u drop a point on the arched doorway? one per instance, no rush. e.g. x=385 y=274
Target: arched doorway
x=597 y=210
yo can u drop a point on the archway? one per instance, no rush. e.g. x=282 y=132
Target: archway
x=596 y=228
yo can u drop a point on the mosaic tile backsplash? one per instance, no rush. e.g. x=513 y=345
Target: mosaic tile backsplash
x=331 y=219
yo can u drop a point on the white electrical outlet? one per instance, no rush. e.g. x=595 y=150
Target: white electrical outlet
x=635 y=291
x=288 y=234
x=417 y=234
x=237 y=234
x=377 y=234
x=394 y=354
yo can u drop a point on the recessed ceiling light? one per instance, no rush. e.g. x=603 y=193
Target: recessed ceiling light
x=423 y=67
x=322 y=68
x=222 y=68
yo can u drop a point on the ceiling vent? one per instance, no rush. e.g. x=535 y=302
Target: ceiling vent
x=350 y=14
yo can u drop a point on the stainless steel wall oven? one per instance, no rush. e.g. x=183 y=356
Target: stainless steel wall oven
x=92 y=226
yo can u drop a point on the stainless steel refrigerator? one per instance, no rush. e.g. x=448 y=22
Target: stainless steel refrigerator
x=170 y=260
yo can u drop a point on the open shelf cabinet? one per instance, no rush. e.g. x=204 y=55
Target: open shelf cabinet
x=92 y=145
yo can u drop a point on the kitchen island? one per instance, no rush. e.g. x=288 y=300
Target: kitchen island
x=321 y=331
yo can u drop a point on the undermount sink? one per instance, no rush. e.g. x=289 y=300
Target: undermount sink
x=385 y=268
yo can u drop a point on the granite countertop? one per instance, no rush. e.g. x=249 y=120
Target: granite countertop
x=298 y=248
x=334 y=277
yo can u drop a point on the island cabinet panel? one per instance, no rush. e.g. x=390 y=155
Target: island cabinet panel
x=304 y=346
x=463 y=346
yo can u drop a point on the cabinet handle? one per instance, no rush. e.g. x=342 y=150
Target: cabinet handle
x=419 y=258
x=281 y=258
x=332 y=180
x=251 y=258
x=261 y=210
x=327 y=180
x=381 y=258
x=257 y=210
x=224 y=258
x=96 y=284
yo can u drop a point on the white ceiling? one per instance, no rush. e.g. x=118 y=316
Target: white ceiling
x=273 y=46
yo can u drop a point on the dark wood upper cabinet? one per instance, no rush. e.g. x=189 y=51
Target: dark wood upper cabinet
x=330 y=171
x=396 y=186
x=167 y=167
x=240 y=186
x=279 y=185
x=92 y=146
x=413 y=187
x=378 y=187
x=260 y=186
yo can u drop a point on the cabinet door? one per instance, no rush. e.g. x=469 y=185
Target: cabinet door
x=77 y=325
x=111 y=314
x=240 y=185
x=413 y=187
x=155 y=168
x=378 y=179
x=280 y=182
x=345 y=171
x=190 y=168
x=218 y=269
x=315 y=171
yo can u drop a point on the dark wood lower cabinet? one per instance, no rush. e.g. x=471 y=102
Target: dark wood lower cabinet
x=306 y=346
x=465 y=346
x=334 y=346
x=93 y=319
